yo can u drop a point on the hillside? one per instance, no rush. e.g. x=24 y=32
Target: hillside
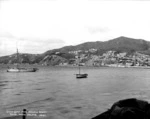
x=67 y=53
x=121 y=44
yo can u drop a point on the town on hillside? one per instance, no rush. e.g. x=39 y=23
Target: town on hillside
x=118 y=52
x=110 y=59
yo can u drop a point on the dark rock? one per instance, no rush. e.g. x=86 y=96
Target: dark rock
x=127 y=109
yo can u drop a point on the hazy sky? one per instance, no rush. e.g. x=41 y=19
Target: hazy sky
x=36 y=26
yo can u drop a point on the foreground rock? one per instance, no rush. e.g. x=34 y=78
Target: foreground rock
x=127 y=109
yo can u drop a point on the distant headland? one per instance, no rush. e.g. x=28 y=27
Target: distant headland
x=118 y=52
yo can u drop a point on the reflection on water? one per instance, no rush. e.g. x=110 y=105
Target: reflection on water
x=57 y=91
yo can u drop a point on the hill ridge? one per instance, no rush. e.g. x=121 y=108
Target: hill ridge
x=97 y=48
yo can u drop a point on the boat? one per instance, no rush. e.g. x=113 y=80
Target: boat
x=81 y=75
x=20 y=69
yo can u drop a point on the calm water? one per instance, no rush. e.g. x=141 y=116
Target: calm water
x=57 y=91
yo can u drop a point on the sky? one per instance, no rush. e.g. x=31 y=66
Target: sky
x=35 y=26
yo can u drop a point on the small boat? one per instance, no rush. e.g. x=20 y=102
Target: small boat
x=20 y=69
x=80 y=75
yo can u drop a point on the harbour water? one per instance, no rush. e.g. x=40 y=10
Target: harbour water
x=57 y=92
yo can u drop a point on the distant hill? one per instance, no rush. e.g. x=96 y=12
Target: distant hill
x=52 y=57
x=124 y=44
x=120 y=44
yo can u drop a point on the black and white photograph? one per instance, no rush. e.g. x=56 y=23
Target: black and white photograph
x=74 y=59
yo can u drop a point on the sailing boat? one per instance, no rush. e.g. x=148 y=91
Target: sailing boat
x=79 y=75
x=18 y=69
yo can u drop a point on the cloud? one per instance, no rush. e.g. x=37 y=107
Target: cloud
x=37 y=45
x=118 y=0
x=41 y=40
x=94 y=30
x=8 y=44
x=6 y=35
x=40 y=26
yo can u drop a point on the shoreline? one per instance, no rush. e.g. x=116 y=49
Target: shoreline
x=75 y=66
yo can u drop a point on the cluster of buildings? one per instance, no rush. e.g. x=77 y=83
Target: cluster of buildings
x=110 y=58
x=125 y=60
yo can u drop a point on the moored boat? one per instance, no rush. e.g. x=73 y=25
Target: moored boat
x=81 y=75
x=20 y=69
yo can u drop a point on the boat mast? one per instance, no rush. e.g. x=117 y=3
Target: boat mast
x=79 y=64
x=17 y=58
x=79 y=68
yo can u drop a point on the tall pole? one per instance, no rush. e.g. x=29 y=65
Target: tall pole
x=17 y=57
x=79 y=64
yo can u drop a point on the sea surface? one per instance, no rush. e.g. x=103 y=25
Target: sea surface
x=55 y=93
